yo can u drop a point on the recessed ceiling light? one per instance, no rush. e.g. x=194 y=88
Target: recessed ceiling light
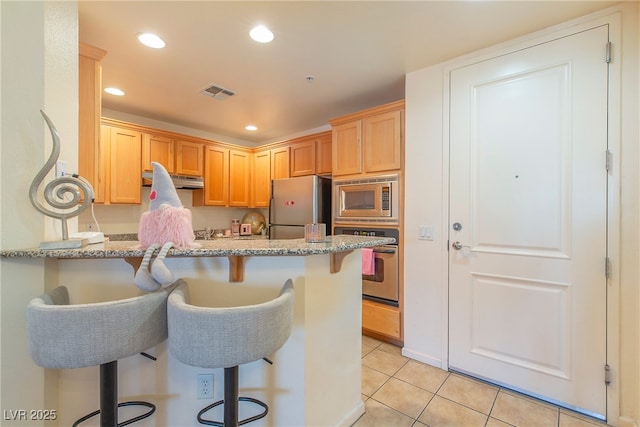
x=261 y=34
x=151 y=40
x=251 y=127
x=114 y=91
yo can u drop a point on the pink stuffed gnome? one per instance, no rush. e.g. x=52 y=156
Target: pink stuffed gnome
x=166 y=224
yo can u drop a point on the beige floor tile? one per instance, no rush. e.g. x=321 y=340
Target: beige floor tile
x=390 y=348
x=576 y=420
x=523 y=412
x=421 y=375
x=376 y=414
x=492 y=422
x=371 y=342
x=366 y=349
x=384 y=362
x=468 y=392
x=372 y=380
x=403 y=397
x=441 y=412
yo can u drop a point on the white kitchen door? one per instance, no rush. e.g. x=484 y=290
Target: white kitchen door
x=528 y=220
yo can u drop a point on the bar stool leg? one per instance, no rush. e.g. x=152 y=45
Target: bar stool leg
x=109 y=394
x=231 y=396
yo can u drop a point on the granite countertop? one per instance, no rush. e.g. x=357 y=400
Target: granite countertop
x=211 y=248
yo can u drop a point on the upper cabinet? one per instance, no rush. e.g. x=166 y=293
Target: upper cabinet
x=89 y=112
x=216 y=178
x=261 y=179
x=382 y=136
x=369 y=141
x=303 y=158
x=177 y=156
x=160 y=149
x=323 y=153
x=280 y=163
x=189 y=158
x=119 y=171
x=239 y=177
x=347 y=148
x=311 y=155
x=268 y=164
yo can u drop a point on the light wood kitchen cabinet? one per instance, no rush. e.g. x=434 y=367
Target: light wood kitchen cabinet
x=347 y=148
x=157 y=148
x=189 y=158
x=280 y=163
x=311 y=155
x=323 y=154
x=261 y=179
x=370 y=141
x=382 y=135
x=268 y=164
x=239 y=178
x=216 y=178
x=89 y=112
x=381 y=320
x=303 y=158
x=120 y=166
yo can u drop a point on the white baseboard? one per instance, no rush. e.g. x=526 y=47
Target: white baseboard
x=422 y=357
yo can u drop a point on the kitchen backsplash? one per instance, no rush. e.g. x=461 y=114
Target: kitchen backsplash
x=119 y=219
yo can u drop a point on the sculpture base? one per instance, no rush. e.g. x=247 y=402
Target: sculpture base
x=64 y=244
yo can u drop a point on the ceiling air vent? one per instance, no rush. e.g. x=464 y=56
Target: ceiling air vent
x=217 y=92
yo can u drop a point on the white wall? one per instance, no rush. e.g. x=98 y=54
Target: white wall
x=39 y=71
x=426 y=187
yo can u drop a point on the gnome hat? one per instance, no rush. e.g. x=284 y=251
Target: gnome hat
x=162 y=189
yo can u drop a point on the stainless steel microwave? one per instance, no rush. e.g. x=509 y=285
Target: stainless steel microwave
x=367 y=199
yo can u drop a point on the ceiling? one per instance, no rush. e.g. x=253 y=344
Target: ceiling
x=357 y=52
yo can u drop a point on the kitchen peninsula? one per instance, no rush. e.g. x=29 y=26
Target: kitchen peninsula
x=315 y=378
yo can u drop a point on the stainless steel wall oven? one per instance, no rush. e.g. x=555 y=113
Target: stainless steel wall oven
x=384 y=285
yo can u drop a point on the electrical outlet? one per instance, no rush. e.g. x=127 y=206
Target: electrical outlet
x=205 y=386
x=62 y=168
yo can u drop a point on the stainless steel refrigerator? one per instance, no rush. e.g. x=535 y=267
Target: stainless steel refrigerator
x=296 y=202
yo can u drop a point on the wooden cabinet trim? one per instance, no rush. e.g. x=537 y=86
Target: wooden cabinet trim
x=397 y=105
x=92 y=52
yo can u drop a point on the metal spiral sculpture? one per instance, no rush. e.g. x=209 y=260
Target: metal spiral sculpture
x=57 y=191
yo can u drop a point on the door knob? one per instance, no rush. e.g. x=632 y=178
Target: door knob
x=457 y=245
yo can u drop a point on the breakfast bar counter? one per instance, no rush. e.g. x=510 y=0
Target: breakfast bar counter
x=238 y=246
x=316 y=376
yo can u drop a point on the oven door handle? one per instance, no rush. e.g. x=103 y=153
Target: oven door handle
x=384 y=251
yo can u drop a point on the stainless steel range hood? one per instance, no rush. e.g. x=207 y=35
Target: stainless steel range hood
x=179 y=181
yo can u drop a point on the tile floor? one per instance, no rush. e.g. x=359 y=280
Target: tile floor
x=399 y=391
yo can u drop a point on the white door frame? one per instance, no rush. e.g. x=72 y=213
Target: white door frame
x=613 y=18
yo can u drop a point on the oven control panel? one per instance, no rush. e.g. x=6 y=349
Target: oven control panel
x=373 y=232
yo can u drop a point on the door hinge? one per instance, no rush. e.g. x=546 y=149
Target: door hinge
x=607 y=56
x=447 y=245
x=607 y=375
x=608 y=161
x=607 y=268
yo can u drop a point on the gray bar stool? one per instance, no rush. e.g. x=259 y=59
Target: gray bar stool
x=226 y=337
x=64 y=336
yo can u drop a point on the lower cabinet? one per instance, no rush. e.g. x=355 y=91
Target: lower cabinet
x=381 y=321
